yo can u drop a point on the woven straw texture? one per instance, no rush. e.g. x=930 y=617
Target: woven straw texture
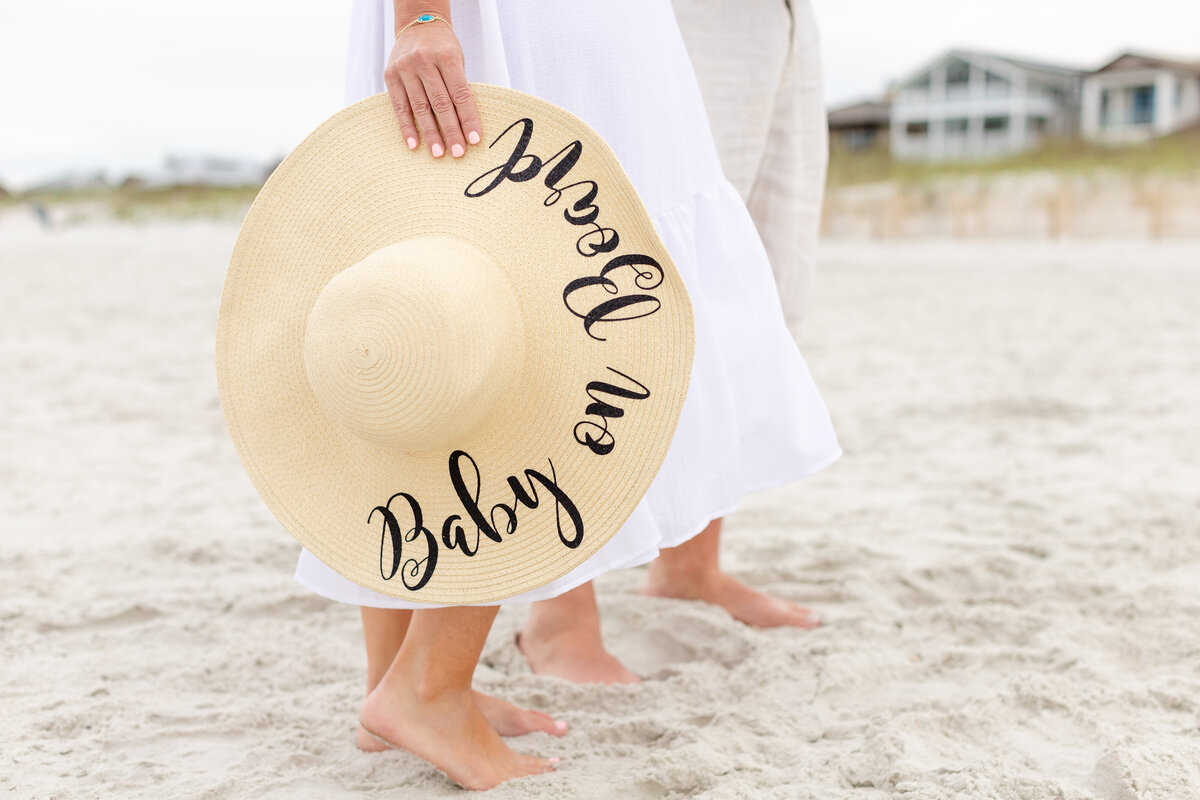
x=351 y=189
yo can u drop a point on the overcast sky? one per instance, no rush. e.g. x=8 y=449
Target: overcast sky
x=118 y=84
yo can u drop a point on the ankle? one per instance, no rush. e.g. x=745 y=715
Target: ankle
x=424 y=684
x=432 y=689
x=574 y=614
x=686 y=579
x=543 y=628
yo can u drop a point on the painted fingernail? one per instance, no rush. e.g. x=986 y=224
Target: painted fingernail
x=473 y=137
x=554 y=759
x=437 y=151
x=457 y=150
x=412 y=143
x=560 y=725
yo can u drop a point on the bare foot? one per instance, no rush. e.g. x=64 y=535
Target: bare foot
x=572 y=656
x=506 y=718
x=369 y=743
x=743 y=603
x=448 y=730
x=511 y=720
x=562 y=638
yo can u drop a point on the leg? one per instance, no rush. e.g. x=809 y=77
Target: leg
x=383 y=632
x=691 y=572
x=424 y=703
x=562 y=638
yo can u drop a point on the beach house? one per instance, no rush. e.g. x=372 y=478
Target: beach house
x=861 y=125
x=1137 y=97
x=971 y=104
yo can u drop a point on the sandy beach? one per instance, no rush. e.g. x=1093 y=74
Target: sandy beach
x=1007 y=557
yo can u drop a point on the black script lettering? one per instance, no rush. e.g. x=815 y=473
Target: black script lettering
x=648 y=274
x=521 y=167
x=470 y=502
x=508 y=170
x=600 y=240
x=596 y=435
x=465 y=479
x=597 y=240
x=419 y=569
x=487 y=526
x=585 y=208
x=530 y=499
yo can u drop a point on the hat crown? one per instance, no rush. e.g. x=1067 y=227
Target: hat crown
x=412 y=346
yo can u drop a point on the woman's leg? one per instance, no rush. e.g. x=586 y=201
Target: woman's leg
x=562 y=638
x=424 y=703
x=383 y=632
x=691 y=572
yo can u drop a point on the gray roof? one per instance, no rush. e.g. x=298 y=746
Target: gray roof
x=1129 y=60
x=866 y=112
x=1028 y=65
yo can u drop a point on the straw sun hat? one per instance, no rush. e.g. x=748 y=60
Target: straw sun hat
x=452 y=380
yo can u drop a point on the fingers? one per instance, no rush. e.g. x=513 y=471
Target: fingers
x=428 y=87
x=464 y=101
x=423 y=114
x=445 y=111
x=403 y=108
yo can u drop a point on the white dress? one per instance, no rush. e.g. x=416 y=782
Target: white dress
x=752 y=418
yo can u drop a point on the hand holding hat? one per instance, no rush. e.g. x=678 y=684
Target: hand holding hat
x=427 y=83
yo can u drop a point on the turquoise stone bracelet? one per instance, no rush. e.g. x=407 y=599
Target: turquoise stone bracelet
x=424 y=18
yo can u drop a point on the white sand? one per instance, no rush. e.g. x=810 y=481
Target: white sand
x=1008 y=555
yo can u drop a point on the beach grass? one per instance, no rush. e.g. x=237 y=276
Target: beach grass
x=132 y=202
x=1178 y=154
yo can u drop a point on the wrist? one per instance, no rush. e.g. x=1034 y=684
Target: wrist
x=422 y=19
x=405 y=11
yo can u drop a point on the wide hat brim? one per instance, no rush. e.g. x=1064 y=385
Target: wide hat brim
x=558 y=464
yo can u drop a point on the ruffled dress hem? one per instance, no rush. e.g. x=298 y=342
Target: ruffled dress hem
x=353 y=594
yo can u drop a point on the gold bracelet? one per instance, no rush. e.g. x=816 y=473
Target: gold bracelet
x=423 y=18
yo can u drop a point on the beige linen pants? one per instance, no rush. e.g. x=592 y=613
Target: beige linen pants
x=759 y=67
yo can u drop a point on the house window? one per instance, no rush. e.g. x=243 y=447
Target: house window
x=858 y=138
x=1037 y=125
x=996 y=85
x=1105 y=107
x=918 y=88
x=1143 y=105
x=995 y=125
x=958 y=78
x=917 y=130
x=956 y=126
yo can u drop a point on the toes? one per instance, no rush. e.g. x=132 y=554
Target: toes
x=538 y=766
x=806 y=617
x=540 y=721
x=510 y=720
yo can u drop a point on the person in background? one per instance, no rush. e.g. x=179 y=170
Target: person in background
x=758 y=65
